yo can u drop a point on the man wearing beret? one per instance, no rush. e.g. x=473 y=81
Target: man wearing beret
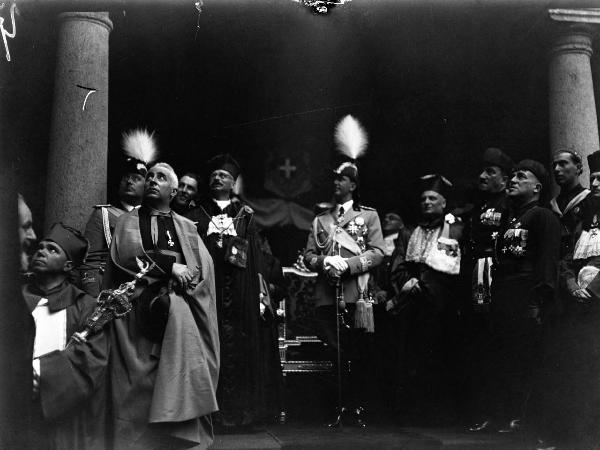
x=250 y=366
x=488 y=217
x=139 y=151
x=524 y=283
x=68 y=384
x=165 y=352
x=424 y=278
x=345 y=245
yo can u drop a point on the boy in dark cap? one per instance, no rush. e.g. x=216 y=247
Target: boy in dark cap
x=524 y=282
x=68 y=377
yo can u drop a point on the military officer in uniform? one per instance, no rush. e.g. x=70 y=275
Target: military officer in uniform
x=345 y=245
x=139 y=151
x=487 y=219
x=524 y=283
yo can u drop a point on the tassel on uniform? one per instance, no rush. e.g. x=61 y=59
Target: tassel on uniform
x=370 y=318
x=360 y=315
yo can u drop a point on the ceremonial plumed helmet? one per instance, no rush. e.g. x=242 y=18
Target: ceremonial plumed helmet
x=594 y=161
x=224 y=162
x=139 y=151
x=74 y=244
x=347 y=169
x=493 y=156
x=536 y=168
x=437 y=183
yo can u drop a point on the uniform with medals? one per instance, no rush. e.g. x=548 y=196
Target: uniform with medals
x=524 y=283
x=250 y=374
x=353 y=232
x=486 y=221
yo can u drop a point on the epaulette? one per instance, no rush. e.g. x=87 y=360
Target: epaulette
x=102 y=206
x=248 y=209
x=367 y=208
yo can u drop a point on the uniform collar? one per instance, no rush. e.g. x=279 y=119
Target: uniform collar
x=347 y=206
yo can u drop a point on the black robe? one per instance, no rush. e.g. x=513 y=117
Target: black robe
x=71 y=407
x=250 y=367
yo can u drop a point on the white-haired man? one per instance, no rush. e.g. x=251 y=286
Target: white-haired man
x=165 y=353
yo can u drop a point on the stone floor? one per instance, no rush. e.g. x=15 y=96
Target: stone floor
x=309 y=436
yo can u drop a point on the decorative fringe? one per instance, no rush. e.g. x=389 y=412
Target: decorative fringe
x=360 y=315
x=370 y=318
x=363 y=316
x=588 y=245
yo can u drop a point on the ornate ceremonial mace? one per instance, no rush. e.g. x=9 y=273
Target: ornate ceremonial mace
x=112 y=304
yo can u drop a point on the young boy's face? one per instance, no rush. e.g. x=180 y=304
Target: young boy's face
x=49 y=258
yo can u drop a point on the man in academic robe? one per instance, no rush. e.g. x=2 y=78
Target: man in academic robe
x=68 y=376
x=424 y=278
x=250 y=367
x=165 y=353
x=524 y=284
x=344 y=246
x=139 y=151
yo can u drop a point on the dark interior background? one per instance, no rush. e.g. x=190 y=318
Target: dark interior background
x=434 y=83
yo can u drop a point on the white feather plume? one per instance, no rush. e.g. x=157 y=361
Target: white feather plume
x=140 y=144
x=350 y=137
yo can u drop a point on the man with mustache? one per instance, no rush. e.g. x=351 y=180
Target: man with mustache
x=139 y=151
x=250 y=367
x=524 y=284
x=165 y=352
x=187 y=191
x=488 y=217
x=68 y=377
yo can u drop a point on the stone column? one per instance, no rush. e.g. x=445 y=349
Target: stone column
x=77 y=161
x=573 y=119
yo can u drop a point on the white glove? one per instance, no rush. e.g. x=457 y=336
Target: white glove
x=336 y=262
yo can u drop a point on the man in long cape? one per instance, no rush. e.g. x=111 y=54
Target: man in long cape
x=165 y=353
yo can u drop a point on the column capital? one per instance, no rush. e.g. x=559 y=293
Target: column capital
x=99 y=18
